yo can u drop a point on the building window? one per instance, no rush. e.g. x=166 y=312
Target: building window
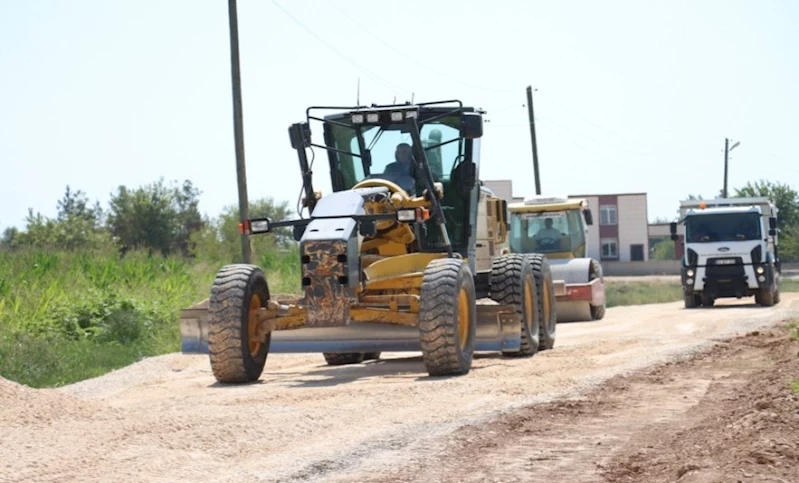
x=607 y=215
x=610 y=248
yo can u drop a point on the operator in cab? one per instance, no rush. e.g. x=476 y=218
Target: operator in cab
x=401 y=171
x=547 y=237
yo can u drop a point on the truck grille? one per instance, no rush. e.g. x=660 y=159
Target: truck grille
x=725 y=268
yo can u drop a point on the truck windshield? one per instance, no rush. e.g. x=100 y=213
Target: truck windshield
x=722 y=227
x=545 y=232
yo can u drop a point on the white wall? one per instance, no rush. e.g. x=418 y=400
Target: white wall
x=633 y=225
x=592 y=249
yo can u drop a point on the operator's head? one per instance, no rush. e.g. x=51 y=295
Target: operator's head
x=404 y=153
x=435 y=136
x=548 y=222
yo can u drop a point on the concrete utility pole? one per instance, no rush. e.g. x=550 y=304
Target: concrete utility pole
x=238 y=128
x=727 y=150
x=532 y=136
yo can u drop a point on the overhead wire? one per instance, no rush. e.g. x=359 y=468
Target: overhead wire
x=356 y=65
x=413 y=58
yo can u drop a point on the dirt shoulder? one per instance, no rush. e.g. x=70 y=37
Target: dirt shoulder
x=724 y=415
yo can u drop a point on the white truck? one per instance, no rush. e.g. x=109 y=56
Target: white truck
x=731 y=250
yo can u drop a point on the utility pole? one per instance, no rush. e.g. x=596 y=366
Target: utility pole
x=532 y=136
x=727 y=150
x=238 y=128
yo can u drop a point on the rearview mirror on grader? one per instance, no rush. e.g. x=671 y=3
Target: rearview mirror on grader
x=402 y=256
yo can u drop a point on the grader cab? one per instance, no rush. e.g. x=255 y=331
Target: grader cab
x=391 y=260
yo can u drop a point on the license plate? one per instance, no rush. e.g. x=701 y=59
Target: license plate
x=723 y=261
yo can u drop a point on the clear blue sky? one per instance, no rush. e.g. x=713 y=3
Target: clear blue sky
x=632 y=96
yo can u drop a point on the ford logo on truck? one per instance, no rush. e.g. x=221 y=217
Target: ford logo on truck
x=724 y=249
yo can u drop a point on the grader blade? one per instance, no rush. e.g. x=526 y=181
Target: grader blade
x=498 y=328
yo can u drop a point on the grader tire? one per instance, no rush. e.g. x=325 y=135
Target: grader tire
x=545 y=291
x=513 y=283
x=691 y=301
x=343 y=358
x=447 y=317
x=238 y=293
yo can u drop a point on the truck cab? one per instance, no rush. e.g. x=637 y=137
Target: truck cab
x=731 y=250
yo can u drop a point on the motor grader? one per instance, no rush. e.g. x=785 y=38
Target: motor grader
x=395 y=259
x=555 y=226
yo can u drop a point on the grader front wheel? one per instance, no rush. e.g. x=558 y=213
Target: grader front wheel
x=447 y=317
x=237 y=295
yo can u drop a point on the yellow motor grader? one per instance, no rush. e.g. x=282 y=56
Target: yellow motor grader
x=391 y=260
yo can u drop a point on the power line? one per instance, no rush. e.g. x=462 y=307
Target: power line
x=412 y=58
x=346 y=58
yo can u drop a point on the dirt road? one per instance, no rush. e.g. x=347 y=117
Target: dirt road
x=165 y=419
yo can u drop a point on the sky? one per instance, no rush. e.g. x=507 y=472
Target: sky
x=629 y=96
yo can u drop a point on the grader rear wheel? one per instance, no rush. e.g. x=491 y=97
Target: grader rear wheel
x=237 y=295
x=546 y=294
x=447 y=317
x=513 y=283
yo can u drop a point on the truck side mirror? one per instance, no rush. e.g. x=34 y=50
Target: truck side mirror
x=772 y=223
x=772 y=232
x=472 y=125
x=673 y=230
x=589 y=218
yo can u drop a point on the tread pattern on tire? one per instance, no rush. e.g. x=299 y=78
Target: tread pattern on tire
x=543 y=274
x=438 y=317
x=506 y=289
x=228 y=346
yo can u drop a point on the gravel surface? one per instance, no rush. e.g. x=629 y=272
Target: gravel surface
x=166 y=419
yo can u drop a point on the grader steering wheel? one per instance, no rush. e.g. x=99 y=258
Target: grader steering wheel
x=405 y=235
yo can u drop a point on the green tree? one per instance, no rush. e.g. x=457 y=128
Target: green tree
x=220 y=240
x=787 y=201
x=663 y=250
x=156 y=217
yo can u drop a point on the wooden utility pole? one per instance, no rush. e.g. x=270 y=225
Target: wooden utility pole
x=726 y=161
x=238 y=129
x=532 y=136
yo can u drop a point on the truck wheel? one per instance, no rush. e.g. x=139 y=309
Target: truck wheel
x=545 y=291
x=691 y=301
x=766 y=298
x=237 y=295
x=343 y=358
x=707 y=300
x=513 y=283
x=447 y=317
x=371 y=356
x=597 y=311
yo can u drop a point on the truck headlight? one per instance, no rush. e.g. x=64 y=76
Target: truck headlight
x=760 y=270
x=689 y=272
x=689 y=281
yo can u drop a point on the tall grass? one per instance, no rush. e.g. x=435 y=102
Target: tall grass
x=67 y=316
